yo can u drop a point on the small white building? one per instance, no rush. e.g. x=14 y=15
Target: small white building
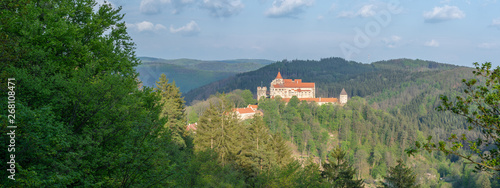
x=248 y=112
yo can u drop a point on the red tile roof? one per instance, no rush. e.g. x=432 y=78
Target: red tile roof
x=244 y=110
x=297 y=83
x=328 y=100
x=314 y=99
x=191 y=127
x=294 y=85
x=253 y=106
x=279 y=76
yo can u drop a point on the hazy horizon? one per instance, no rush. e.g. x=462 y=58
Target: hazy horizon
x=454 y=32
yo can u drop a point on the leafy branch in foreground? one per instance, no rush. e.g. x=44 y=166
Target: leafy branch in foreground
x=480 y=105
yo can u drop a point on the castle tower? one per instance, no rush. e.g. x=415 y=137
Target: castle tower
x=261 y=92
x=278 y=79
x=343 y=97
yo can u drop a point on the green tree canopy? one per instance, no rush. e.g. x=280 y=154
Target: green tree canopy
x=400 y=176
x=339 y=171
x=172 y=109
x=480 y=106
x=82 y=118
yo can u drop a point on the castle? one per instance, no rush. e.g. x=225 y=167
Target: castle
x=286 y=88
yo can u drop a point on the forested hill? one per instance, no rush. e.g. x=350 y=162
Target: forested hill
x=191 y=73
x=330 y=76
x=393 y=104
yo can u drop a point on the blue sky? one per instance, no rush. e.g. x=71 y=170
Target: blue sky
x=449 y=31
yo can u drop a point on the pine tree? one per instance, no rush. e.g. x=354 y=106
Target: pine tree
x=206 y=133
x=256 y=154
x=400 y=176
x=172 y=109
x=281 y=150
x=219 y=129
x=339 y=171
x=230 y=142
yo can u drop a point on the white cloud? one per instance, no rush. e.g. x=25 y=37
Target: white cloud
x=367 y=11
x=364 y=11
x=288 y=8
x=179 y=5
x=439 y=14
x=486 y=45
x=152 y=6
x=432 y=43
x=496 y=23
x=189 y=29
x=392 y=41
x=223 y=8
x=146 y=26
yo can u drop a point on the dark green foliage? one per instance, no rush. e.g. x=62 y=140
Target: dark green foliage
x=257 y=152
x=292 y=175
x=205 y=170
x=400 y=176
x=172 y=109
x=479 y=105
x=339 y=171
x=84 y=123
x=329 y=74
x=376 y=129
x=81 y=120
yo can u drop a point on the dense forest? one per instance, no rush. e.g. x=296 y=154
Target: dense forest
x=397 y=109
x=373 y=138
x=81 y=117
x=330 y=76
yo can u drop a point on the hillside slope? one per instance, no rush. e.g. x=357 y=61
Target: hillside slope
x=330 y=76
x=190 y=73
x=392 y=105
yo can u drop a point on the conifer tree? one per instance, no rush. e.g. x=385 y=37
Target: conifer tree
x=206 y=133
x=219 y=129
x=479 y=105
x=400 y=176
x=172 y=109
x=256 y=154
x=230 y=142
x=281 y=150
x=339 y=171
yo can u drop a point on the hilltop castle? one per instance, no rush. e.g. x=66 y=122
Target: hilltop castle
x=286 y=88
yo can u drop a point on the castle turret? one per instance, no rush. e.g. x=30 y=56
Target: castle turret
x=261 y=92
x=343 y=96
x=278 y=79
